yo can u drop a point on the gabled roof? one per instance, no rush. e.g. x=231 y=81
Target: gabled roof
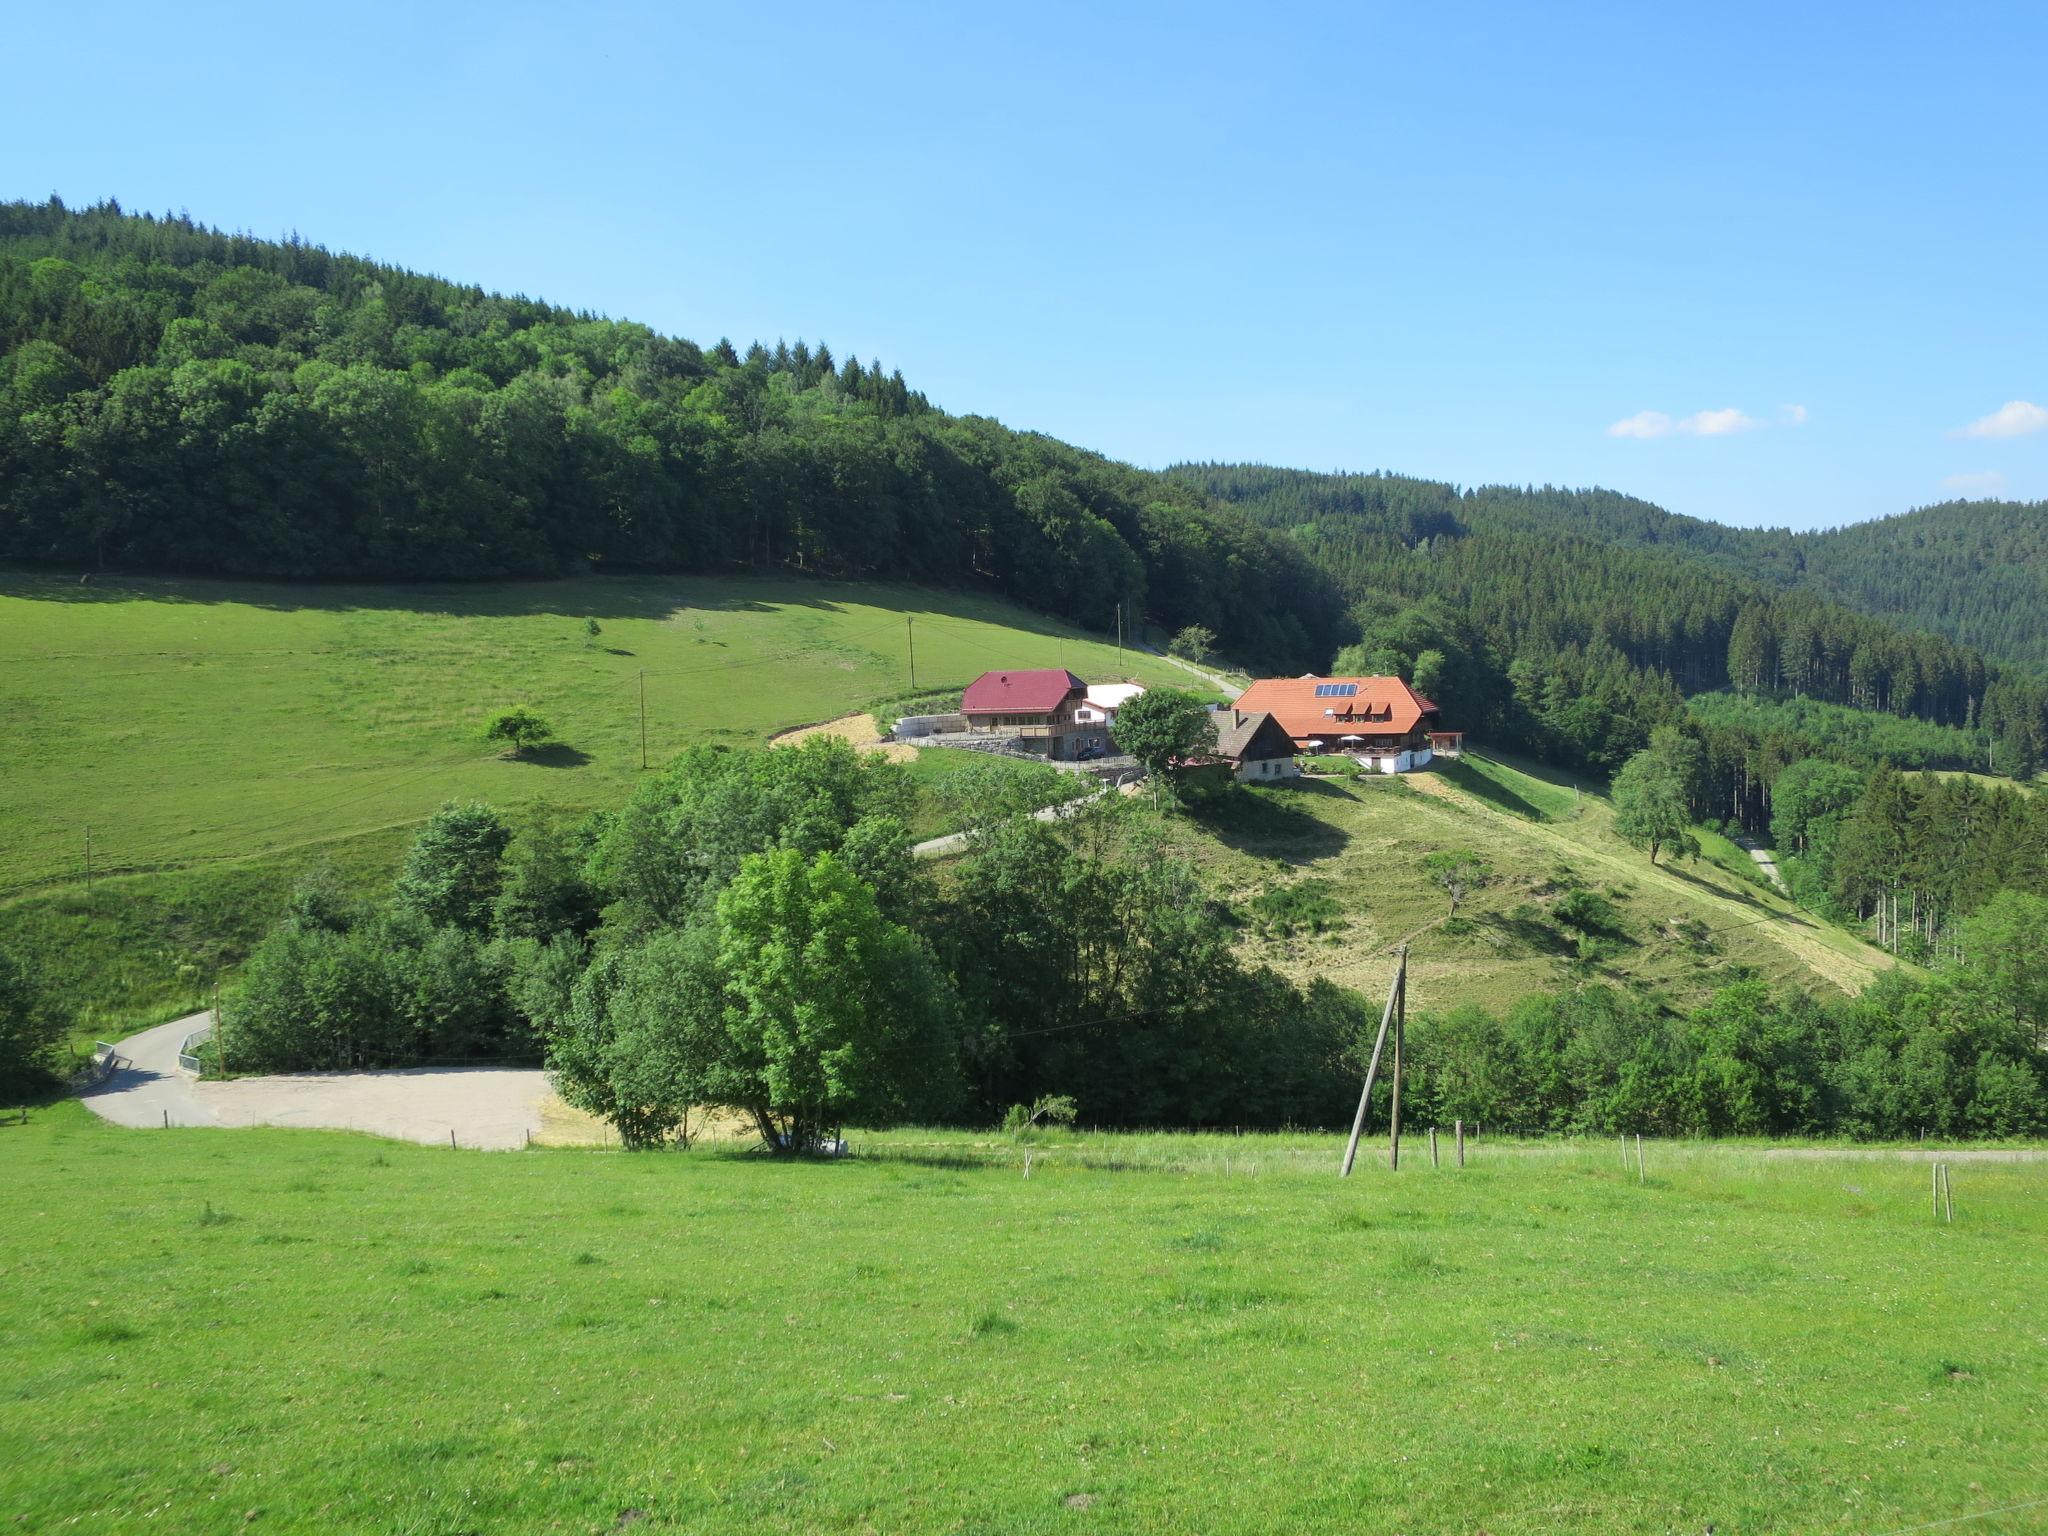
x=1241 y=736
x=1035 y=692
x=1331 y=707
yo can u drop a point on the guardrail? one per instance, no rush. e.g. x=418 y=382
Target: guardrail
x=98 y=1067
x=188 y=1053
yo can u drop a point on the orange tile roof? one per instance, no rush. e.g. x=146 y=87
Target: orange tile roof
x=1360 y=706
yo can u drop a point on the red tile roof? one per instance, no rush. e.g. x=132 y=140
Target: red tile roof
x=1020 y=693
x=1374 y=706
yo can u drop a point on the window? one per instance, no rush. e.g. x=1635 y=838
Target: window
x=1336 y=690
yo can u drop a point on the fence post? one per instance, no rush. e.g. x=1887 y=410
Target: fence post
x=1432 y=1148
x=1461 y=1143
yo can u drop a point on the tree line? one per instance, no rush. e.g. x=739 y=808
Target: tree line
x=1956 y=1054
x=751 y=930
x=179 y=399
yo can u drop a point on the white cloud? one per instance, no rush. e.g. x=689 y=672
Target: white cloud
x=2015 y=418
x=1794 y=415
x=1642 y=424
x=1716 y=423
x=1648 y=424
x=1976 y=482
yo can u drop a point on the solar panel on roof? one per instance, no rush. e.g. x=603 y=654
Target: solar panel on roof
x=1336 y=690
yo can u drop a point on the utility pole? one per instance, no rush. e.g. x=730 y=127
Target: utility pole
x=1119 y=638
x=1400 y=1029
x=910 y=635
x=643 y=719
x=1372 y=1071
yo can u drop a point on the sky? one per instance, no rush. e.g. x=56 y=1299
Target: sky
x=1768 y=265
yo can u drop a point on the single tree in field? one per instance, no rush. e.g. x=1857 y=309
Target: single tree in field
x=592 y=629
x=1649 y=805
x=1459 y=871
x=833 y=1013
x=520 y=726
x=455 y=868
x=1162 y=724
x=1196 y=643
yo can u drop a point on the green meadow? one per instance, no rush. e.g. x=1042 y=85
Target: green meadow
x=314 y=1332
x=189 y=722
x=219 y=737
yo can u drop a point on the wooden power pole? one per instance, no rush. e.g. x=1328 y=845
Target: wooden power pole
x=910 y=636
x=1400 y=1030
x=1397 y=991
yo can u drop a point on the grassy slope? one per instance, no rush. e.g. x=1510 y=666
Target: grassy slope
x=219 y=736
x=1367 y=837
x=224 y=734
x=188 y=721
x=371 y=1337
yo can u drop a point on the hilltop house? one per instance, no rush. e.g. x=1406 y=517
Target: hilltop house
x=1038 y=706
x=1381 y=721
x=1254 y=745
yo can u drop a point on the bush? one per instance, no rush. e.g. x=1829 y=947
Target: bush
x=1279 y=911
x=520 y=727
x=31 y=1029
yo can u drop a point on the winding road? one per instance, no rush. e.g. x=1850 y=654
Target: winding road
x=487 y=1107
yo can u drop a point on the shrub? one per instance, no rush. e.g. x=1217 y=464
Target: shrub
x=521 y=728
x=1280 y=911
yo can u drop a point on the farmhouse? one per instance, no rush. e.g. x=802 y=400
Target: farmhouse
x=1103 y=700
x=1040 y=706
x=1381 y=721
x=1254 y=745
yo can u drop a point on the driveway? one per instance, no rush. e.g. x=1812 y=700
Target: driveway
x=956 y=842
x=490 y=1107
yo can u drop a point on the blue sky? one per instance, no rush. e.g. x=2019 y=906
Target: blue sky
x=1521 y=244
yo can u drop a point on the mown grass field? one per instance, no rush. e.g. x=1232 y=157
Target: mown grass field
x=1366 y=837
x=312 y=1332
x=201 y=721
x=219 y=737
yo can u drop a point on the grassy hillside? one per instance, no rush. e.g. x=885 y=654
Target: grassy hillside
x=194 y=721
x=329 y=1334
x=1676 y=930
x=217 y=737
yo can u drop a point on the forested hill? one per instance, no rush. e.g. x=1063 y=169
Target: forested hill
x=1572 y=616
x=174 y=398
x=177 y=399
x=1975 y=571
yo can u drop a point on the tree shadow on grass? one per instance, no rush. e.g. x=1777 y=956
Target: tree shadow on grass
x=1263 y=821
x=1530 y=933
x=1480 y=787
x=1748 y=898
x=555 y=754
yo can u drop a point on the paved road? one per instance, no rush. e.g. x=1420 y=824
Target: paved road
x=1764 y=862
x=956 y=842
x=491 y=1107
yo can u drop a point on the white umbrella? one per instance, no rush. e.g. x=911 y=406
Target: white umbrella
x=1351 y=738
x=1314 y=742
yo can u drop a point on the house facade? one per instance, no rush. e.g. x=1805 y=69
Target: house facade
x=1381 y=721
x=1040 y=707
x=1254 y=745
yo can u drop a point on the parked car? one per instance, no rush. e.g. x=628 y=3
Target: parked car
x=1091 y=752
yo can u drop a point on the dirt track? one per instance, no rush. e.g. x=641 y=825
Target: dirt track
x=861 y=730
